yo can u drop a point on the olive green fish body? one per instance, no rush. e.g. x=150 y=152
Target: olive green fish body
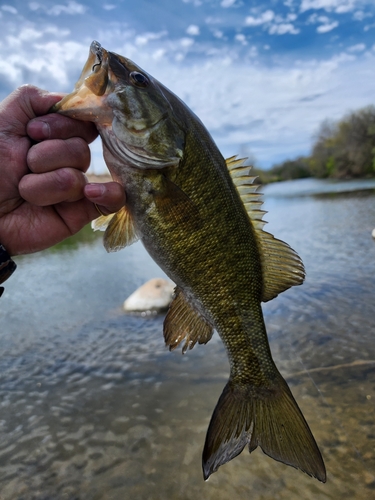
x=203 y=239
x=215 y=258
x=198 y=216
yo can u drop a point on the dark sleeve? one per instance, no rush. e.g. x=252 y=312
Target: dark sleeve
x=7 y=267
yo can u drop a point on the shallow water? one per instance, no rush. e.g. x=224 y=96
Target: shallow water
x=94 y=407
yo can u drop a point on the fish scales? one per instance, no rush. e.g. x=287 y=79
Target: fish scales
x=198 y=216
x=233 y=272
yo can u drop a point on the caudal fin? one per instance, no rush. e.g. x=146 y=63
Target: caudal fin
x=269 y=418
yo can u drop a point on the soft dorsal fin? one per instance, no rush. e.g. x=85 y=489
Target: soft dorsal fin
x=184 y=322
x=119 y=230
x=281 y=265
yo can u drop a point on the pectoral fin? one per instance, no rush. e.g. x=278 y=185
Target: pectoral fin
x=119 y=230
x=184 y=322
x=176 y=207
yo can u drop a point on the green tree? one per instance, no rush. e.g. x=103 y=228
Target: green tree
x=347 y=148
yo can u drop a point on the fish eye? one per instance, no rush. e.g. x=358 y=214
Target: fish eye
x=139 y=79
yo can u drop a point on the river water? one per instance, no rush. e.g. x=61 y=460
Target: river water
x=93 y=407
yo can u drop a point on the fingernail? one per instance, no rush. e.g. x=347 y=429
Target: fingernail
x=94 y=190
x=39 y=130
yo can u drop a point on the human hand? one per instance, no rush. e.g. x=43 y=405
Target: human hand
x=44 y=194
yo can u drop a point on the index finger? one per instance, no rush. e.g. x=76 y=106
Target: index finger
x=54 y=126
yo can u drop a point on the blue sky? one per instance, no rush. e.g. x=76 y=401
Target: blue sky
x=262 y=76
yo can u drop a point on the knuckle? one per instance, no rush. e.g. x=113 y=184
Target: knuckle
x=69 y=180
x=79 y=151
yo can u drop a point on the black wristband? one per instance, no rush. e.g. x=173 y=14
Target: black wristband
x=7 y=267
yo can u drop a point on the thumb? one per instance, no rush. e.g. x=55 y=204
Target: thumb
x=109 y=197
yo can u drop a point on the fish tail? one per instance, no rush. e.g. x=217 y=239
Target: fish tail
x=266 y=417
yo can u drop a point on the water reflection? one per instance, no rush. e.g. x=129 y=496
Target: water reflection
x=94 y=407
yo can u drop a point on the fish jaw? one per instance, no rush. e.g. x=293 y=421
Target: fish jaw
x=88 y=101
x=83 y=105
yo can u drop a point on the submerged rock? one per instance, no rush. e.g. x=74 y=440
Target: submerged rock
x=154 y=296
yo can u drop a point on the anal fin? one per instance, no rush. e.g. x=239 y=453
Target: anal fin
x=184 y=322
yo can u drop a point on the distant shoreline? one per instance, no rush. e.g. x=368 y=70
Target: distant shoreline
x=99 y=178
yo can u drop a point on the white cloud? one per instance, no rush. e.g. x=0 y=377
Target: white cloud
x=338 y=6
x=359 y=15
x=55 y=31
x=193 y=30
x=145 y=38
x=71 y=8
x=186 y=42
x=158 y=54
x=325 y=28
x=25 y=35
x=266 y=17
x=359 y=47
x=347 y=6
x=291 y=17
x=253 y=51
x=283 y=29
x=29 y=56
x=241 y=38
x=196 y=3
x=28 y=34
x=141 y=40
x=109 y=6
x=227 y=3
x=314 y=18
x=276 y=24
x=289 y=3
x=9 y=8
x=34 y=6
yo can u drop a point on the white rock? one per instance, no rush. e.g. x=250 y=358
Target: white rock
x=154 y=296
x=373 y=233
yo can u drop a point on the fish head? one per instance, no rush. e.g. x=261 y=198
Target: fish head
x=132 y=110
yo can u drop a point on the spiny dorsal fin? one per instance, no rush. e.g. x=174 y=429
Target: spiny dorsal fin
x=281 y=266
x=184 y=322
x=119 y=230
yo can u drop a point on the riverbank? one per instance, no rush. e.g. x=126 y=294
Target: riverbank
x=99 y=178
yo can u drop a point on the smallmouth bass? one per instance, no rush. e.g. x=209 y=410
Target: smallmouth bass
x=199 y=217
